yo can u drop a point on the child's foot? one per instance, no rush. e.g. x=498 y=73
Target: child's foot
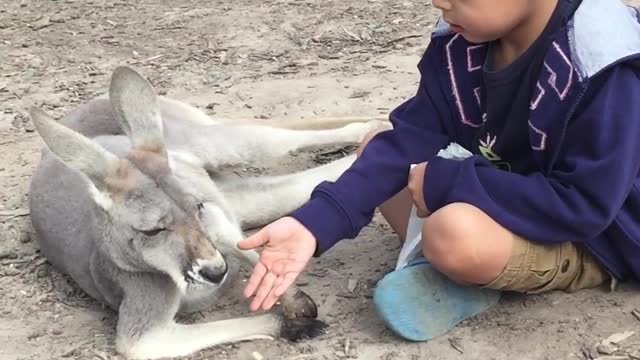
x=419 y=303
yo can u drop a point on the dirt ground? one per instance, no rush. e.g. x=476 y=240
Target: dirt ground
x=244 y=59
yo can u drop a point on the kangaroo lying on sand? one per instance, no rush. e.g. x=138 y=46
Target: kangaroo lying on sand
x=128 y=200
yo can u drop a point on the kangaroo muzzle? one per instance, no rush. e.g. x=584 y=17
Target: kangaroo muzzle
x=208 y=272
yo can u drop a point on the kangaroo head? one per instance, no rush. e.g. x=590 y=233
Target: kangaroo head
x=148 y=208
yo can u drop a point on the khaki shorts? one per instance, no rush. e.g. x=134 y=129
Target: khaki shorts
x=536 y=268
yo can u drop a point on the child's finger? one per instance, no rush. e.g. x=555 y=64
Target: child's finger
x=272 y=298
x=258 y=273
x=258 y=239
x=263 y=291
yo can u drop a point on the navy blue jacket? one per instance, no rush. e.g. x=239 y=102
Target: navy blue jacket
x=584 y=132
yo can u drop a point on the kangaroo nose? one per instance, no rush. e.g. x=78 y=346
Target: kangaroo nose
x=213 y=275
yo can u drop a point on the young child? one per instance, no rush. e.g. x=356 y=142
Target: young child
x=545 y=96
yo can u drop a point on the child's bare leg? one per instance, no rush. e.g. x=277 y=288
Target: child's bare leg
x=469 y=247
x=466 y=244
x=396 y=210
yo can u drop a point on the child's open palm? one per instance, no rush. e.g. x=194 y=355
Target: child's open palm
x=288 y=247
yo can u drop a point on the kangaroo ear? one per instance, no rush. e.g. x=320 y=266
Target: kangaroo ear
x=74 y=149
x=135 y=106
x=77 y=152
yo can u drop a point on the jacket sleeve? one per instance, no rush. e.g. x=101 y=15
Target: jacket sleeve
x=339 y=210
x=596 y=169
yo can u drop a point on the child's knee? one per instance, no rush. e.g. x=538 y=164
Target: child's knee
x=463 y=242
x=447 y=234
x=365 y=141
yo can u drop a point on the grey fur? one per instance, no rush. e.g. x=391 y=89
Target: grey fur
x=138 y=223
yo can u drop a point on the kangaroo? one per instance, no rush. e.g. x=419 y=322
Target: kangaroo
x=129 y=200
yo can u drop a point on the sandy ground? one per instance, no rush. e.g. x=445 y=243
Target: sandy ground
x=247 y=59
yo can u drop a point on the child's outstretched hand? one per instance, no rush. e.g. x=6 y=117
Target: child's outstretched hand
x=416 y=188
x=288 y=247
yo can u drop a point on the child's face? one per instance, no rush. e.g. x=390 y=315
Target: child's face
x=483 y=20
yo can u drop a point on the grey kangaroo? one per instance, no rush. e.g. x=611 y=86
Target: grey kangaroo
x=130 y=201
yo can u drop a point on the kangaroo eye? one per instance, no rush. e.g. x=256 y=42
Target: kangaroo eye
x=200 y=206
x=152 y=232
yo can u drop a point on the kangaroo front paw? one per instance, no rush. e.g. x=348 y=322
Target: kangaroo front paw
x=299 y=305
x=297 y=329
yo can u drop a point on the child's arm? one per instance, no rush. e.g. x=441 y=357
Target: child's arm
x=596 y=168
x=341 y=209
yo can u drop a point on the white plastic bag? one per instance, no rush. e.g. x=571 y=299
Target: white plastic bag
x=412 y=247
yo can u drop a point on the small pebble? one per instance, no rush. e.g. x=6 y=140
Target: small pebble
x=42 y=272
x=25 y=237
x=352 y=284
x=10 y=272
x=35 y=334
x=606 y=349
x=28 y=127
x=618 y=337
x=8 y=254
x=590 y=352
